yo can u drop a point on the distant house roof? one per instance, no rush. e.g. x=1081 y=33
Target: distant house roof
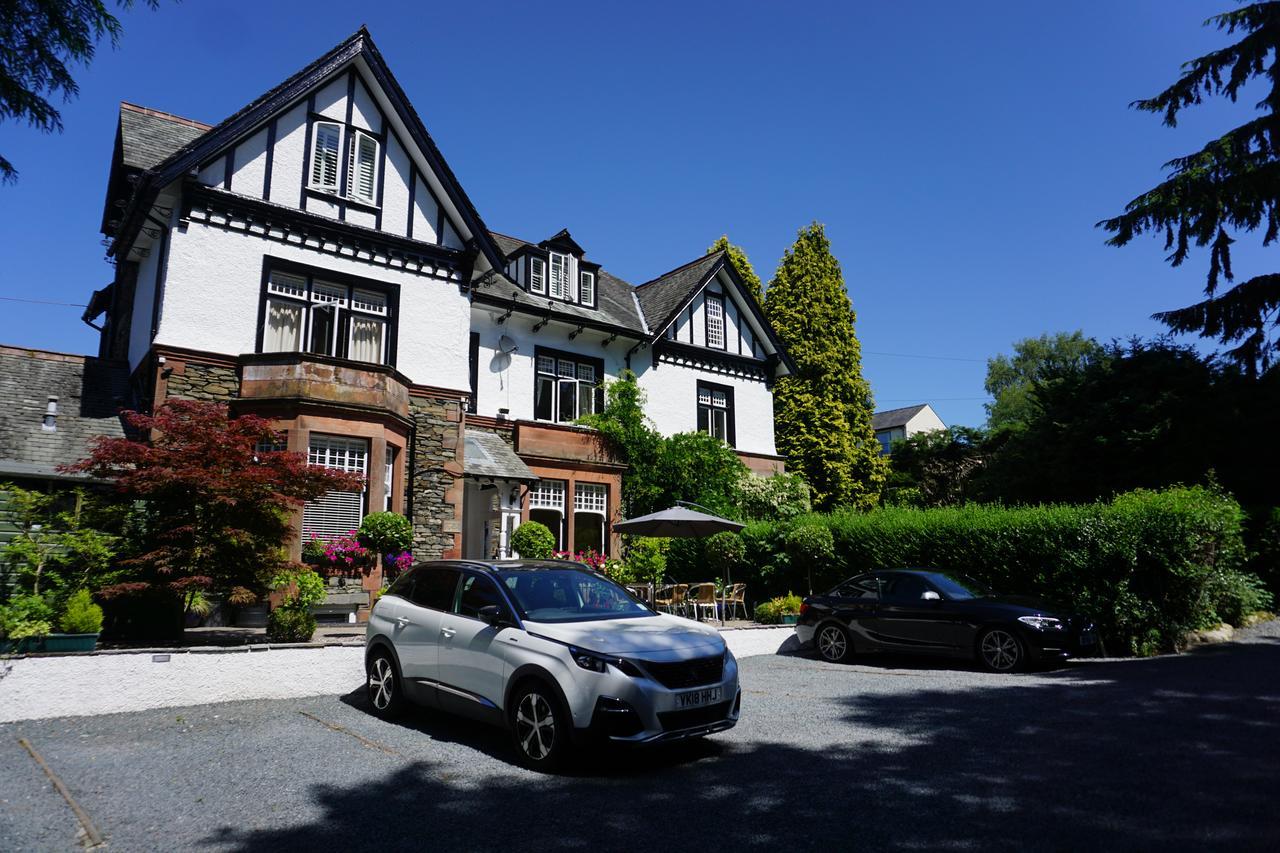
x=896 y=417
x=90 y=393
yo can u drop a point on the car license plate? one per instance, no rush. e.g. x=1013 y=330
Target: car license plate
x=1088 y=639
x=698 y=698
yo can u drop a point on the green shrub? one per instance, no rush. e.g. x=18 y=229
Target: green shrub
x=724 y=553
x=26 y=616
x=779 y=497
x=386 y=532
x=82 y=615
x=771 y=612
x=533 y=541
x=647 y=559
x=1233 y=596
x=288 y=624
x=1141 y=566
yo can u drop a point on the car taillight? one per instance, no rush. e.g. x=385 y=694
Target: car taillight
x=804 y=607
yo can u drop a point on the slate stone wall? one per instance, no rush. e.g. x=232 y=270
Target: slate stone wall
x=203 y=382
x=436 y=486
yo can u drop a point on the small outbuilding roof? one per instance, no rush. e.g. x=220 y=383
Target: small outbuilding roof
x=896 y=417
x=486 y=456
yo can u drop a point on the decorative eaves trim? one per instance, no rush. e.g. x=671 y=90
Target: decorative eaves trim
x=222 y=209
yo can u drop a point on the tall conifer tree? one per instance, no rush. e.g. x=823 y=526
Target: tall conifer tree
x=822 y=415
x=1232 y=184
x=741 y=264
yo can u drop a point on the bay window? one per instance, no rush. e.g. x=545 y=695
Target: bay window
x=590 y=511
x=335 y=514
x=305 y=313
x=546 y=506
x=566 y=387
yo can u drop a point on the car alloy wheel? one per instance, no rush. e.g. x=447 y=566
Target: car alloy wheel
x=535 y=727
x=1000 y=651
x=834 y=644
x=382 y=686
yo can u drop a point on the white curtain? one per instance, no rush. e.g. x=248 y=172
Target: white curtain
x=284 y=327
x=366 y=339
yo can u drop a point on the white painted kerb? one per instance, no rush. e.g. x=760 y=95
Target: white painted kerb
x=81 y=686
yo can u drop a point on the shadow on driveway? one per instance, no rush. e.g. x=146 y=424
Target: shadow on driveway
x=1176 y=753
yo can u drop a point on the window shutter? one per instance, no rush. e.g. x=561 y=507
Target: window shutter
x=587 y=289
x=362 y=168
x=537 y=275
x=324 y=157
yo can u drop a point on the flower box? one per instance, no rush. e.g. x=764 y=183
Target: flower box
x=790 y=618
x=70 y=643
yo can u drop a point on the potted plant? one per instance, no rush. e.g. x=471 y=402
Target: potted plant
x=785 y=610
x=251 y=612
x=24 y=623
x=293 y=621
x=81 y=624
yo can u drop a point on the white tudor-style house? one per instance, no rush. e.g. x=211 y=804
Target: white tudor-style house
x=313 y=259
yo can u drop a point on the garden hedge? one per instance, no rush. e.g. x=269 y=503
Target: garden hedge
x=1147 y=566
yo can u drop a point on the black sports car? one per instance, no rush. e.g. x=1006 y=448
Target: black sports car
x=940 y=613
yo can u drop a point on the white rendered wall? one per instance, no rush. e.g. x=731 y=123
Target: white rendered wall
x=925 y=420
x=508 y=383
x=144 y=298
x=672 y=393
x=214 y=283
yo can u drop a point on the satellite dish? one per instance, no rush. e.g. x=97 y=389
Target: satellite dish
x=506 y=346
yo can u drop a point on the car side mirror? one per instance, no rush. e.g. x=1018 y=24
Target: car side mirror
x=493 y=616
x=930 y=595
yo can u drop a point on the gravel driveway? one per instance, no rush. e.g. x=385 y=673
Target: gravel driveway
x=1174 y=753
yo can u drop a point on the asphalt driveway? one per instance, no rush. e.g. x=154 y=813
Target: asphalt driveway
x=1176 y=753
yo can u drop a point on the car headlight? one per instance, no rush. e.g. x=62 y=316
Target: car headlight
x=597 y=662
x=1042 y=623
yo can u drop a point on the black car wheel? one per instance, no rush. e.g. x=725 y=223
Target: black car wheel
x=1000 y=650
x=539 y=727
x=383 y=684
x=834 y=643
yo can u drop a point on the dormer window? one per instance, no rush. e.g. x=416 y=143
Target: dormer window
x=559 y=276
x=587 y=288
x=324 y=156
x=537 y=275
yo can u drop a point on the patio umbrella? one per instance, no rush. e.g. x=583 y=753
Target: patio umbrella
x=681 y=522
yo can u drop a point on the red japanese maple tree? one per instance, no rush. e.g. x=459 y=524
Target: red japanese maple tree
x=217 y=492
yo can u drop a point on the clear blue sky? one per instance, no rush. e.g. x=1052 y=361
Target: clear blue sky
x=958 y=153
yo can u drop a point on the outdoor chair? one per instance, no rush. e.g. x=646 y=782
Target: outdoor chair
x=735 y=600
x=680 y=599
x=663 y=599
x=702 y=597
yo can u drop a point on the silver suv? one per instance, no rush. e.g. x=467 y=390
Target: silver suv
x=553 y=651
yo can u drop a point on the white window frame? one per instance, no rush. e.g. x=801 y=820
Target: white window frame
x=537 y=275
x=312 y=181
x=549 y=496
x=587 y=287
x=715 y=323
x=566 y=375
x=344 y=454
x=357 y=138
x=558 y=285
x=312 y=294
x=591 y=499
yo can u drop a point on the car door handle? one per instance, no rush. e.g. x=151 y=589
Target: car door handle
x=447 y=633
x=402 y=621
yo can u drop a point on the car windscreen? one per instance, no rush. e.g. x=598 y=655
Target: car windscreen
x=569 y=595
x=957 y=587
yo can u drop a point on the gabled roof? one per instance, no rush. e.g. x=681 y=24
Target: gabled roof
x=564 y=240
x=663 y=297
x=148 y=137
x=896 y=417
x=211 y=143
